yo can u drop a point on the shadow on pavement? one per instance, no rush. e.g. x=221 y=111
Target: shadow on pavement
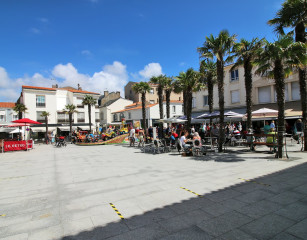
x=273 y=206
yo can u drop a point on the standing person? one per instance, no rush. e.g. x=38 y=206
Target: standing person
x=298 y=125
x=132 y=136
x=266 y=127
x=192 y=130
x=240 y=127
x=150 y=132
x=272 y=125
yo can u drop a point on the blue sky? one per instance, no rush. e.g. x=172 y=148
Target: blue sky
x=103 y=44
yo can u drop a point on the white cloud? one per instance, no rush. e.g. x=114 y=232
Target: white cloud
x=86 y=52
x=150 y=70
x=43 y=20
x=112 y=77
x=35 y=30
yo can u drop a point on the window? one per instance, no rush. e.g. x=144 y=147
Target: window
x=295 y=91
x=115 y=117
x=264 y=94
x=152 y=101
x=193 y=102
x=286 y=93
x=97 y=119
x=234 y=75
x=101 y=115
x=15 y=117
x=174 y=109
x=79 y=103
x=80 y=117
x=40 y=101
x=129 y=115
x=152 y=91
x=235 y=96
x=206 y=101
x=39 y=118
x=2 y=116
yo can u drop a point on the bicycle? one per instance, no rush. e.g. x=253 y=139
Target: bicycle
x=60 y=143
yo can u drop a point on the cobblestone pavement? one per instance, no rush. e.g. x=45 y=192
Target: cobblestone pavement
x=65 y=193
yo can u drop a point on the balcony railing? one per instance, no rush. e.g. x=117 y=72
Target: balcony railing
x=40 y=105
x=97 y=120
x=81 y=120
x=64 y=120
x=80 y=106
x=41 y=120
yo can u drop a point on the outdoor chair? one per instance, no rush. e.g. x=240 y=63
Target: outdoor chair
x=158 y=147
x=197 y=149
x=179 y=146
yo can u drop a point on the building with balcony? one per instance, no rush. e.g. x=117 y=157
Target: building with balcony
x=133 y=112
x=7 y=115
x=53 y=100
x=151 y=97
x=263 y=94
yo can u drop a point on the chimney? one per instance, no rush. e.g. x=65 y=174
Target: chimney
x=55 y=86
x=106 y=93
x=118 y=93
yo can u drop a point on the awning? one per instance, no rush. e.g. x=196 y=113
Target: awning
x=6 y=130
x=64 y=129
x=17 y=130
x=42 y=129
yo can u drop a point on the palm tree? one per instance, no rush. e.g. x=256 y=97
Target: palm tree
x=70 y=109
x=89 y=101
x=46 y=115
x=277 y=60
x=142 y=88
x=219 y=47
x=208 y=70
x=188 y=82
x=168 y=88
x=293 y=14
x=245 y=52
x=20 y=108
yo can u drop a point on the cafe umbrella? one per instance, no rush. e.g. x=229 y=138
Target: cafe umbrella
x=26 y=122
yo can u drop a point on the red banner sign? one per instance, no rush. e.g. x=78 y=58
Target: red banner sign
x=17 y=145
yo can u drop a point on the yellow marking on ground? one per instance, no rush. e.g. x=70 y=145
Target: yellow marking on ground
x=45 y=216
x=9 y=178
x=248 y=180
x=3 y=215
x=118 y=213
x=191 y=191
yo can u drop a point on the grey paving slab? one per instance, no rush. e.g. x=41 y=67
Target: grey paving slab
x=235 y=235
x=65 y=193
x=287 y=197
x=299 y=229
x=285 y=236
x=224 y=223
x=192 y=233
x=296 y=211
x=268 y=226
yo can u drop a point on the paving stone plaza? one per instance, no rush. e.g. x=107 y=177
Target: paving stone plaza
x=81 y=192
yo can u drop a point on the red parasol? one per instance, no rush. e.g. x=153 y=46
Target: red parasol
x=26 y=120
x=18 y=125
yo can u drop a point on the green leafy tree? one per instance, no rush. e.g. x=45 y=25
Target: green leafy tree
x=89 y=101
x=208 y=70
x=142 y=88
x=293 y=14
x=277 y=60
x=46 y=115
x=70 y=109
x=219 y=48
x=20 y=109
x=245 y=52
x=188 y=82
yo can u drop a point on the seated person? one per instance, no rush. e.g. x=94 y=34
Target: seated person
x=196 y=137
x=184 y=140
x=271 y=139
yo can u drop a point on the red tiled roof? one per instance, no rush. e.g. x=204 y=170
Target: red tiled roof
x=7 y=104
x=54 y=89
x=133 y=104
x=140 y=107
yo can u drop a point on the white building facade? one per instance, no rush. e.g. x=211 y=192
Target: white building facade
x=53 y=100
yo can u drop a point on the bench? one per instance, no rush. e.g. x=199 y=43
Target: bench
x=253 y=143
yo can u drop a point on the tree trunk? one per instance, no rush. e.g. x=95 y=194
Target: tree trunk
x=46 y=118
x=280 y=91
x=210 y=95
x=160 y=95
x=90 y=117
x=185 y=102
x=248 y=89
x=220 y=82
x=144 y=113
x=168 y=100
x=189 y=95
x=300 y=37
x=70 y=124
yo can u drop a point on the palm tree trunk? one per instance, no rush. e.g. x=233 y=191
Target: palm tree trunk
x=70 y=124
x=46 y=119
x=185 y=102
x=160 y=95
x=168 y=100
x=280 y=90
x=300 y=37
x=210 y=95
x=90 y=117
x=220 y=82
x=248 y=89
x=144 y=113
x=189 y=108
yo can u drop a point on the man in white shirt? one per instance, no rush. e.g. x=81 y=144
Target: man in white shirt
x=183 y=138
x=132 y=132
